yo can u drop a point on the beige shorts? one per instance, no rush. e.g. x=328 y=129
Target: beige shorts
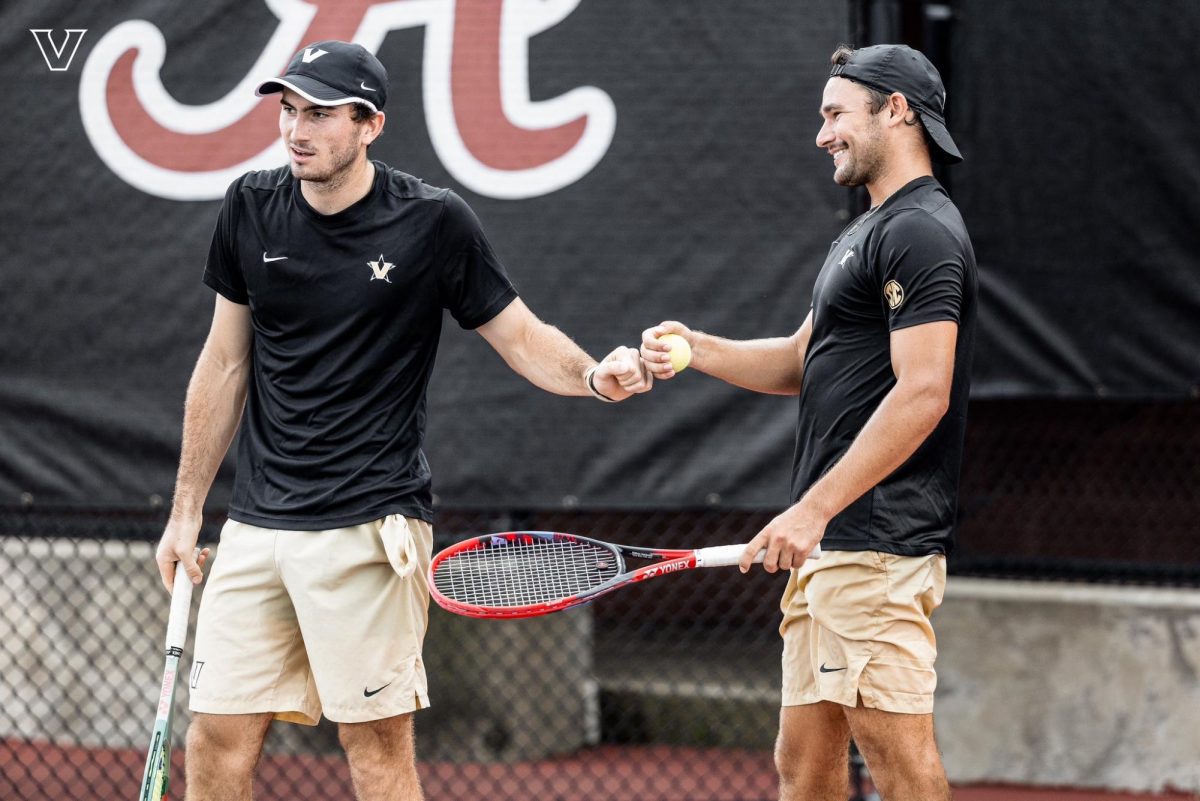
x=300 y=623
x=856 y=624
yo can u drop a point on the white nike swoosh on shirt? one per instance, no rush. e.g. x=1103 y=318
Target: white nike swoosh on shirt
x=272 y=258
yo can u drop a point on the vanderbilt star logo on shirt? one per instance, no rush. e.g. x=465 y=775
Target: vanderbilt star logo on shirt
x=381 y=269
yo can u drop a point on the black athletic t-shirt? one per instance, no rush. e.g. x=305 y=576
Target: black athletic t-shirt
x=908 y=261
x=346 y=311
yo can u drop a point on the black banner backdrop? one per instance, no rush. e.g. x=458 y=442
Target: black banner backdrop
x=631 y=162
x=1080 y=194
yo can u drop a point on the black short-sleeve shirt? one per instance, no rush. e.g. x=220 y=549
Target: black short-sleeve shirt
x=346 y=311
x=906 y=262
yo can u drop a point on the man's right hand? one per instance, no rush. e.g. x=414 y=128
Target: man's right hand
x=177 y=548
x=657 y=355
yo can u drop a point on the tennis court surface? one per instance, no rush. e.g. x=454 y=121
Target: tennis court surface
x=41 y=771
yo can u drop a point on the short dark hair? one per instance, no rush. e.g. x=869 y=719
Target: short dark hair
x=877 y=99
x=361 y=112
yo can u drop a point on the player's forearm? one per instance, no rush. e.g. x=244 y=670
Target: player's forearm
x=771 y=366
x=215 y=398
x=902 y=422
x=550 y=360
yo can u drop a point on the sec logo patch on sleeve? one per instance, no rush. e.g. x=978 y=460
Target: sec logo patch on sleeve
x=893 y=293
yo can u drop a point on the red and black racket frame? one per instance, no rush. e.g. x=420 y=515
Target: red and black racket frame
x=664 y=561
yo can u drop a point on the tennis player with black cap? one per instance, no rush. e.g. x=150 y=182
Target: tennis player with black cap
x=331 y=276
x=881 y=365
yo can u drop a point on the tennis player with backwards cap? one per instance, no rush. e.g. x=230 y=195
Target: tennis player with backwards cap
x=881 y=365
x=331 y=276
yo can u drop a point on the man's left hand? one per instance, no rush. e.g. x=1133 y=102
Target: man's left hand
x=621 y=374
x=789 y=539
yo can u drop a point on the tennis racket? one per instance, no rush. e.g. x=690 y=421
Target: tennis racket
x=158 y=759
x=529 y=573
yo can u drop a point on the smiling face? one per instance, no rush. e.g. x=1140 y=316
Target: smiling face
x=324 y=143
x=852 y=134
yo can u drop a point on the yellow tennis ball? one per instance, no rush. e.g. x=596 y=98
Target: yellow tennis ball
x=681 y=351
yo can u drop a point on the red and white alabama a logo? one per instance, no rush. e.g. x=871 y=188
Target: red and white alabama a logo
x=483 y=125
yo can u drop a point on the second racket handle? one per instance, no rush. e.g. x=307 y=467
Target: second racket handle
x=181 y=606
x=725 y=555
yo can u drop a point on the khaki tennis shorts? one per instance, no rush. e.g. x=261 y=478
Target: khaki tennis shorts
x=856 y=623
x=300 y=623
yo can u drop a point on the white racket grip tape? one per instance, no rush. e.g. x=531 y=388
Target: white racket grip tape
x=725 y=555
x=181 y=606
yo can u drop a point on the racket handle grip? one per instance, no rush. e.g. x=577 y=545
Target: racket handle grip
x=181 y=606
x=726 y=555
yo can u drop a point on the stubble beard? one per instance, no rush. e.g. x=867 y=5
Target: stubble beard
x=341 y=161
x=864 y=164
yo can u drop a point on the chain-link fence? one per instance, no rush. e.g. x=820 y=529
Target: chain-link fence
x=668 y=690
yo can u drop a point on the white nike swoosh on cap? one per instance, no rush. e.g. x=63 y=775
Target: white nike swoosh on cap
x=272 y=258
x=363 y=84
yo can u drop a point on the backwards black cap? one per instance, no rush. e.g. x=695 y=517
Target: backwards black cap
x=899 y=68
x=333 y=73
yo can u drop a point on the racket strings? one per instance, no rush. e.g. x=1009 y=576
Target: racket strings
x=522 y=574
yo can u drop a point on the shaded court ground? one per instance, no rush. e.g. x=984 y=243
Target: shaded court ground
x=37 y=771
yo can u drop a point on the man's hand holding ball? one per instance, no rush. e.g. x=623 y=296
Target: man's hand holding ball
x=680 y=353
x=666 y=349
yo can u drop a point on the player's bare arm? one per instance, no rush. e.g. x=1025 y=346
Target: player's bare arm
x=773 y=366
x=215 y=397
x=549 y=359
x=923 y=361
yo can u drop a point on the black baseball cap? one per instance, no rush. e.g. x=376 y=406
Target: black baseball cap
x=333 y=73
x=898 y=68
